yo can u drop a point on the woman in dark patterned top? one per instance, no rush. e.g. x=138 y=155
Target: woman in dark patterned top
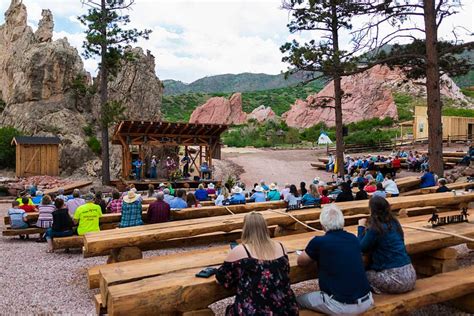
x=259 y=270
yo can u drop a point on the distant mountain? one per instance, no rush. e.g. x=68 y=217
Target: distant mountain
x=244 y=82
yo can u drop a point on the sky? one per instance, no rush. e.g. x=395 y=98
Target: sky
x=192 y=39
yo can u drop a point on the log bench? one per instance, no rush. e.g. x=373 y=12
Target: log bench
x=318 y=165
x=166 y=284
x=148 y=236
x=9 y=232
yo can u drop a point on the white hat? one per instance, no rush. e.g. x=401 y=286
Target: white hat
x=273 y=186
x=130 y=197
x=211 y=186
x=258 y=189
x=237 y=190
x=162 y=185
x=316 y=180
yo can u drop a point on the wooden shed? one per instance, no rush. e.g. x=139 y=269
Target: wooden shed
x=36 y=155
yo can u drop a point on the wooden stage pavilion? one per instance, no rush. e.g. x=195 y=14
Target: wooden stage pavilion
x=201 y=143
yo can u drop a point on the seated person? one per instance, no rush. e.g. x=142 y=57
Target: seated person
x=324 y=197
x=115 y=204
x=344 y=288
x=361 y=194
x=390 y=270
x=29 y=208
x=201 y=193
x=61 y=195
x=87 y=216
x=178 y=202
x=223 y=197
x=311 y=197
x=168 y=197
x=396 y=165
x=264 y=186
x=390 y=186
x=205 y=170
x=131 y=210
x=23 y=195
x=442 y=186
x=380 y=191
x=259 y=270
x=62 y=224
x=467 y=159
x=292 y=198
x=75 y=202
x=191 y=200
x=379 y=177
x=37 y=198
x=259 y=195
x=211 y=189
x=158 y=211
x=371 y=187
x=427 y=179
x=237 y=196
x=17 y=216
x=273 y=194
x=346 y=193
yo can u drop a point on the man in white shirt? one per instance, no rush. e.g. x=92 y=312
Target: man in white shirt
x=390 y=186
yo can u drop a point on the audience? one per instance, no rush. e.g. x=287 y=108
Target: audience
x=311 y=197
x=442 y=186
x=303 y=189
x=37 y=198
x=151 y=191
x=62 y=224
x=26 y=206
x=191 y=200
x=427 y=179
x=201 y=193
x=259 y=195
x=343 y=284
x=380 y=191
x=158 y=211
x=371 y=187
x=361 y=194
x=390 y=269
x=291 y=198
x=223 y=197
x=115 y=204
x=273 y=194
x=87 y=216
x=178 y=202
x=390 y=186
x=168 y=197
x=211 y=189
x=131 y=210
x=324 y=197
x=61 y=195
x=100 y=201
x=75 y=202
x=346 y=193
x=264 y=186
x=237 y=196
x=45 y=217
x=259 y=271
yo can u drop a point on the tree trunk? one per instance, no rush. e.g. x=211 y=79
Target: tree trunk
x=435 y=128
x=103 y=101
x=337 y=94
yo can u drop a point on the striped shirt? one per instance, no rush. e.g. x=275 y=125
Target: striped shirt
x=45 y=218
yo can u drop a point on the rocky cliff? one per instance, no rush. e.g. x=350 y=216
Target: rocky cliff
x=38 y=78
x=219 y=110
x=367 y=95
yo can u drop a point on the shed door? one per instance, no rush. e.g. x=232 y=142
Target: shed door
x=31 y=160
x=470 y=130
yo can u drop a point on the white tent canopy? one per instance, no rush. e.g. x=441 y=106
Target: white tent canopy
x=324 y=139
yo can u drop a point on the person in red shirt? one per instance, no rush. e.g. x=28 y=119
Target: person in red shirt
x=324 y=197
x=396 y=165
x=158 y=211
x=26 y=207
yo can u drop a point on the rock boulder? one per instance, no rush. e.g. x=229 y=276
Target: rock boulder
x=262 y=114
x=219 y=110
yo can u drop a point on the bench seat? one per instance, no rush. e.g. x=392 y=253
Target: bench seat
x=436 y=289
x=68 y=242
x=9 y=232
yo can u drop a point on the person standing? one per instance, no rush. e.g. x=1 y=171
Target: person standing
x=153 y=166
x=138 y=168
x=186 y=161
x=170 y=166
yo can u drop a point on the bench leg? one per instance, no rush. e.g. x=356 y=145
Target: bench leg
x=125 y=254
x=201 y=312
x=289 y=230
x=464 y=303
x=435 y=262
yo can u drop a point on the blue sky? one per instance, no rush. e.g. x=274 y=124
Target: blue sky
x=196 y=38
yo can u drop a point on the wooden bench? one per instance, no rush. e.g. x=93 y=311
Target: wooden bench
x=440 y=288
x=166 y=284
x=68 y=242
x=318 y=165
x=9 y=232
x=148 y=236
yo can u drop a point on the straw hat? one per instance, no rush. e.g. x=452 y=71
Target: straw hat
x=273 y=186
x=211 y=186
x=130 y=197
x=258 y=189
x=237 y=190
x=162 y=185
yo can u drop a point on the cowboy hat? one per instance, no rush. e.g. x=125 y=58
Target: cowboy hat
x=273 y=186
x=237 y=190
x=130 y=197
x=258 y=189
x=162 y=185
x=211 y=186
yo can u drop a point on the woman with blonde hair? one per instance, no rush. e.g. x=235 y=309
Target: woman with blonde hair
x=259 y=269
x=311 y=197
x=223 y=196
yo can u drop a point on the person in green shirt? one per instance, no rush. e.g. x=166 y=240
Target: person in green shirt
x=87 y=216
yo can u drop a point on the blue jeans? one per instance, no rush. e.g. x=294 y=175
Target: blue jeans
x=138 y=173
x=50 y=233
x=153 y=173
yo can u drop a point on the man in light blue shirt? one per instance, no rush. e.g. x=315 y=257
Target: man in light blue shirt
x=168 y=197
x=178 y=202
x=237 y=196
x=258 y=196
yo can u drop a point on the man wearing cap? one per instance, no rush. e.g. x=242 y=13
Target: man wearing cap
x=258 y=196
x=273 y=194
x=131 y=210
x=237 y=196
x=87 y=216
x=153 y=164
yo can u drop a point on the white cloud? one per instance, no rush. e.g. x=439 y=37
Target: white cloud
x=195 y=38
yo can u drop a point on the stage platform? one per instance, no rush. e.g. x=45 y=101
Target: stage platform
x=177 y=184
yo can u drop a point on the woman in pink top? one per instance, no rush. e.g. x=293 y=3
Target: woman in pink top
x=46 y=209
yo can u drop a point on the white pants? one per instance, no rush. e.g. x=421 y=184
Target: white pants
x=321 y=302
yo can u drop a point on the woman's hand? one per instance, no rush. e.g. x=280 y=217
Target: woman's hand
x=363 y=222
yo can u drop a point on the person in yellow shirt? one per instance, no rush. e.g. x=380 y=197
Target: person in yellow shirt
x=21 y=196
x=87 y=216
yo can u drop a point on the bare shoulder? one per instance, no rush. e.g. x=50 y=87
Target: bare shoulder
x=236 y=254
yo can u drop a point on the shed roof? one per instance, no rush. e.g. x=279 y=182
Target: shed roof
x=35 y=140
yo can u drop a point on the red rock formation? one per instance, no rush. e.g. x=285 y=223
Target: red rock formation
x=219 y=110
x=262 y=114
x=367 y=97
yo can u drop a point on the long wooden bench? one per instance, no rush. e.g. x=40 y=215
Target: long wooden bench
x=145 y=237
x=167 y=284
x=436 y=289
x=9 y=232
x=318 y=165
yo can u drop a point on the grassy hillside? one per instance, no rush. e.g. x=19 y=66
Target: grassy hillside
x=179 y=107
x=228 y=83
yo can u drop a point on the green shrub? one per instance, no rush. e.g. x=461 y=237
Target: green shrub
x=88 y=130
x=405 y=106
x=468 y=93
x=447 y=111
x=7 y=151
x=94 y=145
